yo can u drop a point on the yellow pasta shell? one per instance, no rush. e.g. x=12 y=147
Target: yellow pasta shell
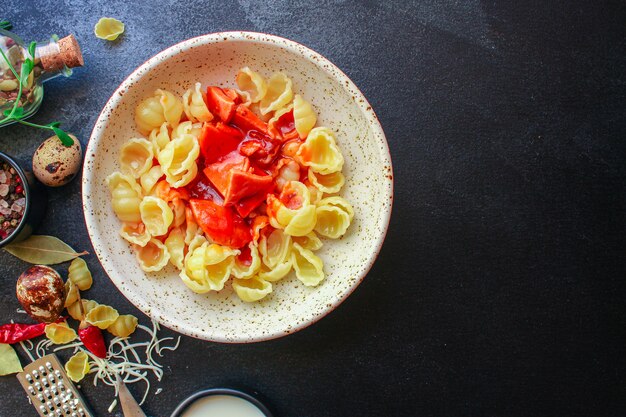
x=108 y=28
x=102 y=316
x=77 y=366
x=253 y=289
x=74 y=309
x=79 y=274
x=60 y=333
x=71 y=293
x=123 y=326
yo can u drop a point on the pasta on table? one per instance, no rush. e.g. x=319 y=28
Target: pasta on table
x=229 y=183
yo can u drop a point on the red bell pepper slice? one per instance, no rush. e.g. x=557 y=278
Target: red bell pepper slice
x=244 y=184
x=246 y=205
x=222 y=224
x=245 y=119
x=219 y=172
x=220 y=104
x=165 y=192
x=218 y=140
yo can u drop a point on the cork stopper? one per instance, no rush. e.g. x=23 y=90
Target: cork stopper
x=66 y=53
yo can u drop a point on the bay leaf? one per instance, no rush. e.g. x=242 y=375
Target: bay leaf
x=9 y=362
x=43 y=250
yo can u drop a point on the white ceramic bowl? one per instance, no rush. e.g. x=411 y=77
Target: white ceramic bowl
x=214 y=59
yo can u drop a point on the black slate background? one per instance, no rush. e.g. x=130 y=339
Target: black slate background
x=500 y=290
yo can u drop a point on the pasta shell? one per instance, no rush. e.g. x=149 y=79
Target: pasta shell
x=208 y=267
x=123 y=326
x=278 y=272
x=125 y=197
x=172 y=106
x=149 y=115
x=309 y=241
x=332 y=221
x=135 y=233
x=156 y=214
x=303 y=116
x=253 y=289
x=329 y=183
x=152 y=257
x=308 y=267
x=149 y=179
x=77 y=366
x=274 y=248
x=252 y=84
x=108 y=28
x=244 y=270
x=320 y=152
x=74 y=309
x=79 y=273
x=102 y=316
x=175 y=244
x=71 y=292
x=159 y=137
x=279 y=93
x=194 y=105
x=136 y=157
x=60 y=333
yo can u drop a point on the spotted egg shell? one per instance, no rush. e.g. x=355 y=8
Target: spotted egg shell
x=55 y=164
x=41 y=292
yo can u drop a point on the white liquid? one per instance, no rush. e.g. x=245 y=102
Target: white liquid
x=222 y=406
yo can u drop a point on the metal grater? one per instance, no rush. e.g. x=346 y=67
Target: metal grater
x=50 y=390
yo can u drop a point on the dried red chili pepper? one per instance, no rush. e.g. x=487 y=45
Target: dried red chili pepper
x=92 y=338
x=17 y=332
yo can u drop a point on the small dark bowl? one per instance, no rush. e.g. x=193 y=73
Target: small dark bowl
x=36 y=199
x=182 y=407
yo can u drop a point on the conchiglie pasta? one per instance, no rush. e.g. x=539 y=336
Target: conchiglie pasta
x=274 y=248
x=153 y=256
x=60 y=333
x=102 y=316
x=123 y=326
x=149 y=115
x=244 y=269
x=79 y=273
x=175 y=244
x=320 y=152
x=253 y=289
x=125 y=197
x=329 y=183
x=156 y=214
x=277 y=273
x=187 y=128
x=178 y=208
x=309 y=241
x=71 y=293
x=159 y=137
x=150 y=178
x=251 y=83
x=308 y=266
x=332 y=221
x=194 y=105
x=172 y=106
x=77 y=366
x=208 y=267
x=191 y=227
x=74 y=309
x=340 y=202
x=178 y=160
x=303 y=116
x=136 y=157
x=294 y=197
x=279 y=93
x=135 y=233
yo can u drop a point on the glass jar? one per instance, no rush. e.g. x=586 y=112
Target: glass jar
x=52 y=58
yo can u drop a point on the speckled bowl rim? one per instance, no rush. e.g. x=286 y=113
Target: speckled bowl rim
x=242 y=36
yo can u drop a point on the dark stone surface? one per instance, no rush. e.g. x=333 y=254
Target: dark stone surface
x=501 y=287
